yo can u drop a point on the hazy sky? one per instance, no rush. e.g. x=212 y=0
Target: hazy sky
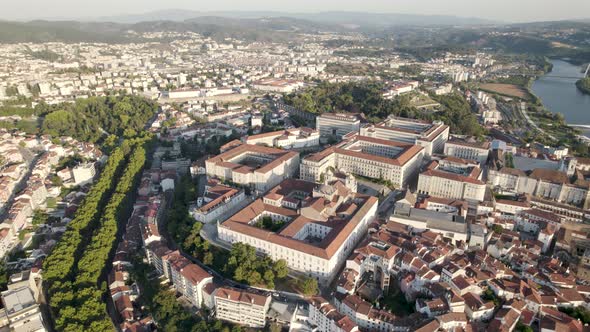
x=504 y=10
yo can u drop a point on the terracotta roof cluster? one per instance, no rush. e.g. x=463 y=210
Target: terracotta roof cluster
x=341 y=228
x=277 y=157
x=217 y=194
x=329 y=311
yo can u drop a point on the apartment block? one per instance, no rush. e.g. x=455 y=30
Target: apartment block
x=22 y=311
x=241 y=307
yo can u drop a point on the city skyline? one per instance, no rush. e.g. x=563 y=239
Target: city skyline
x=501 y=11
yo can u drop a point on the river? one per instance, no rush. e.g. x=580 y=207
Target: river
x=560 y=95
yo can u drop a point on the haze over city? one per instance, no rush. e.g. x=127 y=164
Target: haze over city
x=501 y=10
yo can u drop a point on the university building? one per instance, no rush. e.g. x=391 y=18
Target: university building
x=464 y=149
x=295 y=138
x=453 y=178
x=431 y=136
x=218 y=199
x=552 y=185
x=258 y=167
x=337 y=125
x=366 y=156
x=317 y=225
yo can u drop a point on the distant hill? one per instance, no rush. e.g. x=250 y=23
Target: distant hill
x=341 y=18
x=401 y=31
x=261 y=29
x=369 y=20
x=66 y=31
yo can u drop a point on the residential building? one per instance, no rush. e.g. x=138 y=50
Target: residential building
x=190 y=280
x=83 y=173
x=241 y=306
x=22 y=311
x=325 y=318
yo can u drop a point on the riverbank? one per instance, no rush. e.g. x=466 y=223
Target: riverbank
x=584 y=85
x=557 y=92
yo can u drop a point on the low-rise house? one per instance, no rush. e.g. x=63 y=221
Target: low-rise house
x=476 y=309
x=325 y=318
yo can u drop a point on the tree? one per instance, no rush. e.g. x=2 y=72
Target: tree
x=110 y=143
x=520 y=327
x=3 y=276
x=208 y=258
x=488 y=295
x=309 y=286
x=245 y=266
x=584 y=85
x=280 y=268
x=40 y=217
x=73 y=269
x=274 y=327
x=367 y=98
x=579 y=312
x=269 y=278
x=498 y=229
x=89 y=119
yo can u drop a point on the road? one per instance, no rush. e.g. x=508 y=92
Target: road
x=534 y=125
x=31 y=161
x=221 y=98
x=385 y=208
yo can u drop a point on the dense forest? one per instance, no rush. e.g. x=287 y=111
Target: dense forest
x=91 y=119
x=367 y=98
x=95 y=119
